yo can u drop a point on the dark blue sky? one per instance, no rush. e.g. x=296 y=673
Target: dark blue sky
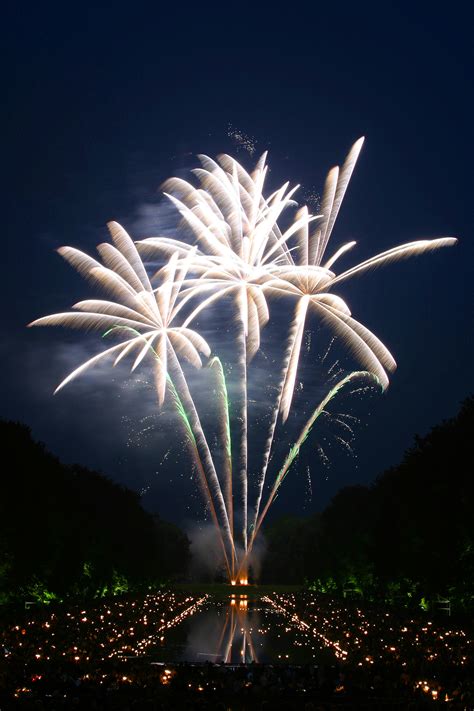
x=102 y=105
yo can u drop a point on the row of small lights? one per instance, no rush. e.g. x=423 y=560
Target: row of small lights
x=161 y=612
x=336 y=621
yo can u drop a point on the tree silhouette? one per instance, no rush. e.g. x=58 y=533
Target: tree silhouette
x=71 y=531
x=408 y=536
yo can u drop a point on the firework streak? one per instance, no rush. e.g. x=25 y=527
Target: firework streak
x=295 y=449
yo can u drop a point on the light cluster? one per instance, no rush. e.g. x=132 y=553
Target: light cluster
x=368 y=638
x=106 y=631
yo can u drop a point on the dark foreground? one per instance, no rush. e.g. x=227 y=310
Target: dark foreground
x=131 y=654
x=210 y=686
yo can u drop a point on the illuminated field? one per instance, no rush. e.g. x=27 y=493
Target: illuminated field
x=129 y=643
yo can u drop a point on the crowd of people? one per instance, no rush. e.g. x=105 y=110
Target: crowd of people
x=104 y=657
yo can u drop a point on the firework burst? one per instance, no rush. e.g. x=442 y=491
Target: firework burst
x=240 y=250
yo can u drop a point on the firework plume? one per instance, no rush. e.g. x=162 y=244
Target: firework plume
x=240 y=249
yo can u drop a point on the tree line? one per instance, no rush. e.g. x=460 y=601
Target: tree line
x=408 y=538
x=67 y=531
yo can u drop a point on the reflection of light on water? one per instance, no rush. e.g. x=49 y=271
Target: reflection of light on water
x=227 y=633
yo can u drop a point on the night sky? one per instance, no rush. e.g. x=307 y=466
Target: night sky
x=101 y=106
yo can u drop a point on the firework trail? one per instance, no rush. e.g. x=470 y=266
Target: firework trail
x=202 y=474
x=294 y=342
x=200 y=450
x=238 y=228
x=295 y=449
x=310 y=485
x=327 y=351
x=197 y=442
x=224 y=418
x=243 y=450
x=336 y=362
x=344 y=425
x=345 y=444
x=323 y=455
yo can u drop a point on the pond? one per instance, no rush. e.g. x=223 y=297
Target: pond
x=234 y=631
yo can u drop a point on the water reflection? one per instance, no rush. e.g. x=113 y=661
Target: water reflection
x=227 y=632
x=237 y=632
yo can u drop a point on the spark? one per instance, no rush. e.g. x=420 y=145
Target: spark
x=241 y=139
x=323 y=455
x=310 y=486
x=343 y=424
x=345 y=444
